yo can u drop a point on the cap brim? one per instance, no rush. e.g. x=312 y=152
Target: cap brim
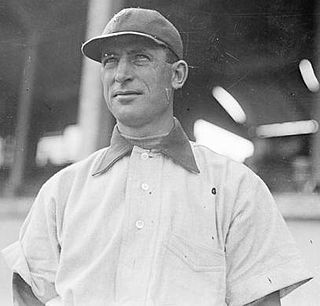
x=92 y=48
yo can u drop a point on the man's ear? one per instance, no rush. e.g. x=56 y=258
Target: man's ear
x=179 y=74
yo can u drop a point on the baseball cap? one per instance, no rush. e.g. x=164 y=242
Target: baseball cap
x=136 y=21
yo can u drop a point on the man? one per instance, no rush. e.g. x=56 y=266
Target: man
x=153 y=219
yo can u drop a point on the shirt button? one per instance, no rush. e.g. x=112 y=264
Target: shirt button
x=145 y=186
x=139 y=224
x=144 y=156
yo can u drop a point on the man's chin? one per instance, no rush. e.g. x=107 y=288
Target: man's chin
x=132 y=120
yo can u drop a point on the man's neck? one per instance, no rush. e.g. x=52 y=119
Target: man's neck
x=152 y=129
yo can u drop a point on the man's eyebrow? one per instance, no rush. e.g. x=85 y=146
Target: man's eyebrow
x=138 y=50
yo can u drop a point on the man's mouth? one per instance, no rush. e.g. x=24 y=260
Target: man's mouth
x=124 y=93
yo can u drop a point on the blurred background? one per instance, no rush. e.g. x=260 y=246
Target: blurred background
x=252 y=94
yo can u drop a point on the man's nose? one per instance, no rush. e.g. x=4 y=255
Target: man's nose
x=124 y=71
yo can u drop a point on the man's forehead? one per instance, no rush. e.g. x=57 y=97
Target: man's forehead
x=130 y=42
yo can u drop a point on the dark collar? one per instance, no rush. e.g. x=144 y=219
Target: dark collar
x=175 y=145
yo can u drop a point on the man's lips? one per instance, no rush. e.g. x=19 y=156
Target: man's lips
x=123 y=93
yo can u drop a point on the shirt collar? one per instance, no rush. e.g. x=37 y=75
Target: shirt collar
x=175 y=145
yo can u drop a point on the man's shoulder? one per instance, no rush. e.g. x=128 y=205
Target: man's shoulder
x=208 y=158
x=82 y=168
x=70 y=180
x=218 y=167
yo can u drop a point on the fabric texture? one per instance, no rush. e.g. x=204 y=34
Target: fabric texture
x=136 y=226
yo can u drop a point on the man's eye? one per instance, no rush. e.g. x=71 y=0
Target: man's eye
x=141 y=58
x=109 y=60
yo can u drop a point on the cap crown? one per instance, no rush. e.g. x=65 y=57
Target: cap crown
x=137 y=21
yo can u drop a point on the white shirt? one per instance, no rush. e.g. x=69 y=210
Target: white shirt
x=174 y=225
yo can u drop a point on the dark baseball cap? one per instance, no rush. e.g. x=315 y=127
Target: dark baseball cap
x=136 y=21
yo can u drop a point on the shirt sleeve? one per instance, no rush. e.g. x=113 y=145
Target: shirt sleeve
x=261 y=255
x=35 y=255
x=22 y=293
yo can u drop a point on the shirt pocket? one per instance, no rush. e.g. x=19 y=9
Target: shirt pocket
x=191 y=274
x=199 y=258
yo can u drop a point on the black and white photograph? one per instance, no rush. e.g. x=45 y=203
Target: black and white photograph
x=159 y=153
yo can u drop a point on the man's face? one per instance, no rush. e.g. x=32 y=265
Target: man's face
x=136 y=80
